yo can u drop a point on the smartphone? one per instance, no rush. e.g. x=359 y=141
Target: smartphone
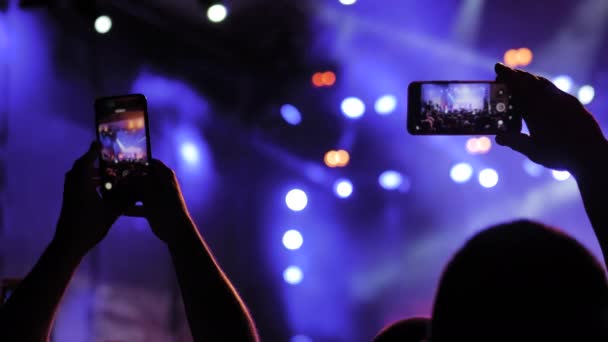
x=461 y=108
x=124 y=134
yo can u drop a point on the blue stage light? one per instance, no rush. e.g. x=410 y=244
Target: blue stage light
x=461 y=172
x=343 y=188
x=300 y=338
x=385 y=105
x=292 y=239
x=564 y=83
x=586 y=94
x=532 y=168
x=296 y=200
x=390 y=180
x=560 y=175
x=291 y=114
x=353 y=107
x=293 y=275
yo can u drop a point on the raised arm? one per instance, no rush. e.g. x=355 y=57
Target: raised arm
x=214 y=309
x=565 y=136
x=84 y=221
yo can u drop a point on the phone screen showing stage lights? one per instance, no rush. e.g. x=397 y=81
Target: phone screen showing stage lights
x=450 y=108
x=122 y=132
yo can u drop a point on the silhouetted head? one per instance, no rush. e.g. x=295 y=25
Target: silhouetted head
x=521 y=281
x=406 y=330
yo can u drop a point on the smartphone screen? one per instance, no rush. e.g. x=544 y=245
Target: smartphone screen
x=460 y=108
x=123 y=132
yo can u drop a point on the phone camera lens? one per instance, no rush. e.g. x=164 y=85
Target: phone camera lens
x=500 y=107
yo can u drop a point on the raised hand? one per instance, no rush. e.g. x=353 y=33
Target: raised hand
x=563 y=134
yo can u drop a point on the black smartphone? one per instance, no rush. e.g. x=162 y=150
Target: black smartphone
x=124 y=134
x=461 y=108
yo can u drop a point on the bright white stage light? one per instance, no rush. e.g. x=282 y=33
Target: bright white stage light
x=347 y=2
x=560 y=175
x=564 y=83
x=353 y=107
x=103 y=24
x=217 y=13
x=292 y=239
x=390 y=180
x=488 y=178
x=296 y=200
x=586 y=94
x=293 y=275
x=190 y=153
x=385 y=105
x=343 y=188
x=532 y=168
x=461 y=172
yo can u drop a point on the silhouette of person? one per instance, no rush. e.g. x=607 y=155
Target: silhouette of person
x=405 y=330
x=214 y=309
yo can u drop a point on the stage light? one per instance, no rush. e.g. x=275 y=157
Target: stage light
x=317 y=79
x=296 y=200
x=353 y=107
x=328 y=78
x=347 y=2
x=291 y=114
x=343 y=188
x=342 y=158
x=390 y=180
x=472 y=146
x=510 y=58
x=331 y=158
x=103 y=24
x=385 y=105
x=300 y=338
x=488 y=178
x=560 y=175
x=564 y=83
x=586 y=94
x=189 y=153
x=532 y=168
x=292 y=239
x=108 y=186
x=484 y=144
x=217 y=13
x=461 y=172
x=293 y=275
x=524 y=57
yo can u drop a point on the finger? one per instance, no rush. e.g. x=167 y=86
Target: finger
x=519 y=142
x=88 y=159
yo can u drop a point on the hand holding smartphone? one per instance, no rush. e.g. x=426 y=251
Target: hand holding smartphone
x=123 y=132
x=461 y=108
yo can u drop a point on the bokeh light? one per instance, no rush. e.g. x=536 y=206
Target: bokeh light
x=560 y=175
x=563 y=82
x=328 y=78
x=293 y=239
x=296 y=200
x=343 y=188
x=524 y=57
x=353 y=107
x=461 y=172
x=484 y=144
x=217 y=13
x=300 y=338
x=586 y=94
x=317 y=79
x=386 y=104
x=390 y=180
x=347 y=2
x=190 y=153
x=532 y=169
x=103 y=24
x=510 y=58
x=291 y=114
x=471 y=145
x=334 y=158
x=293 y=275
x=488 y=178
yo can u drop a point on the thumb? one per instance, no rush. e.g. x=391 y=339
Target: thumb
x=519 y=142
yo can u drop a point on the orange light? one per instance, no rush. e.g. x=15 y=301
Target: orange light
x=472 y=146
x=343 y=158
x=511 y=58
x=484 y=144
x=331 y=158
x=317 y=79
x=524 y=56
x=328 y=78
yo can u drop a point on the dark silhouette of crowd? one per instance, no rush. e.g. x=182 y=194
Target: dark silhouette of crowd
x=517 y=281
x=460 y=120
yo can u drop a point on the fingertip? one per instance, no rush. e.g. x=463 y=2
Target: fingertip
x=501 y=68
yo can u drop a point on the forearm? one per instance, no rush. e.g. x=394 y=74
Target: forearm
x=214 y=309
x=592 y=179
x=29 y=313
